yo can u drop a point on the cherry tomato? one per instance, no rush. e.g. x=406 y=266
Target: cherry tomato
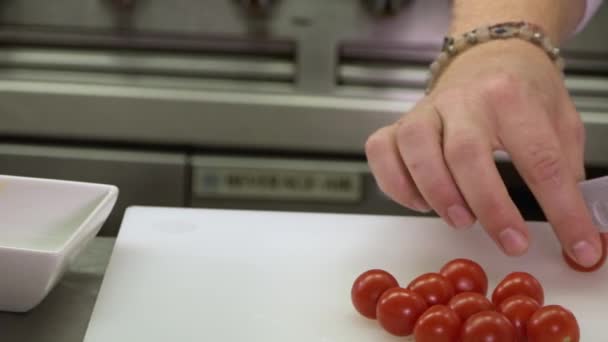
x=466 y=276
x=488 y=326
x=553 y=323
x=438 y=324
x=593 y=268
x=398 y=310
x=468 y=303
x=433 y=287
x=518 y=283
x=368 y=288
x=518 y=309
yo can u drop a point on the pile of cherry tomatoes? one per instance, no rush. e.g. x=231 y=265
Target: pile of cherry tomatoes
x=451 y=306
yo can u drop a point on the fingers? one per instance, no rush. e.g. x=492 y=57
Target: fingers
x=540 y=159
x=469 y=156
x=390 y=173
x=419 y=143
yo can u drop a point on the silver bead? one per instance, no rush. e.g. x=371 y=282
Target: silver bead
x=447 y=41
x=537 y=37
x=546 y=44
x=435 y=67
x=451 y=50
x=526 y=33
x=442 y=58
x=471 y=37
x=459 y=45
x=555 y=53
x=483 y=34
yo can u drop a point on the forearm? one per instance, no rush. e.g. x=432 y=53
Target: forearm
x=558 y=18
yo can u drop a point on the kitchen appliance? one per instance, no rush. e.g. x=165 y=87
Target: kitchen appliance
x=260 y=104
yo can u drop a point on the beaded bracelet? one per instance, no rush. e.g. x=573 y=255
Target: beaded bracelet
x=453 y=46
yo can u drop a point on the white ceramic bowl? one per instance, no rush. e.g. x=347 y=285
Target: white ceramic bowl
x=44 y=225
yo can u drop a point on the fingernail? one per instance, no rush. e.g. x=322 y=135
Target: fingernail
x=513 y=241
x=585 y=254
x=460 y=217
x=421 y=206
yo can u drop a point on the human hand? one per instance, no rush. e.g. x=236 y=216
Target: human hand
x=502 y=95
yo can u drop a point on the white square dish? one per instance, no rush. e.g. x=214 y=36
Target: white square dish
x=44 y=225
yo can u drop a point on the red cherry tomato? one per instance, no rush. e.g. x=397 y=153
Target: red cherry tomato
x=518 y=283
x=553 y=323
x=438 y=324
x=433 y=287
x=466 y=276
x=368 y=288
x=518 y=309
x=398 y=310
x=488 y=326
x=593 y=268
x=468 y=303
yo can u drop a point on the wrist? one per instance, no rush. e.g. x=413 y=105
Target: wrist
x=498 y=56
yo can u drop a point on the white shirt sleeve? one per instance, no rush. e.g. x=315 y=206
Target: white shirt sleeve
x=591 y=8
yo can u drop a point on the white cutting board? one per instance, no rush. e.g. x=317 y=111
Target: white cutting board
x=217 y=275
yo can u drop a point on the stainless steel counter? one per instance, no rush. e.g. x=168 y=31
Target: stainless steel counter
x=64 y=315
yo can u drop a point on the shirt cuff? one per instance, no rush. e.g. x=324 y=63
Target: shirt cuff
x=590 y=9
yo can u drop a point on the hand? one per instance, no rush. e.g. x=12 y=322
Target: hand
x=502 y=95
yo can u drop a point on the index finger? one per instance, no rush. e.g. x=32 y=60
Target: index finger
x=539 y=158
